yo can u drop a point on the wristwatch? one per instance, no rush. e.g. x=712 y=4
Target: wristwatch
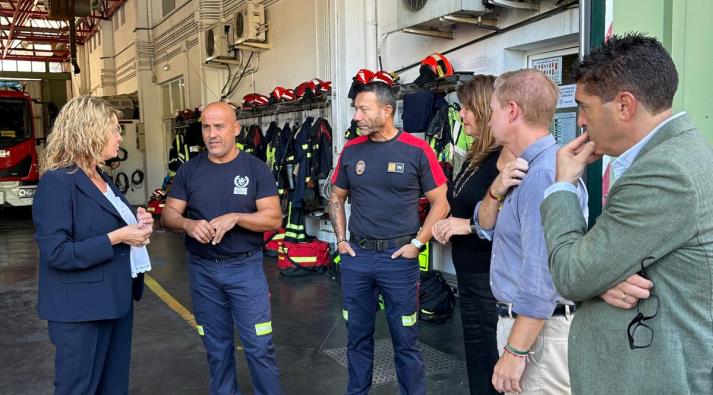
x=473 y=228
x=421 y=247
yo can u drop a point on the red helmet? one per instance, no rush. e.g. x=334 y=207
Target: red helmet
x=305 y=90
x=276 y=94
x=383 y=76
x=321 y=86
x=361 y=78
x=288 y=95
x=434 y=66
x=260 y=100
x=325 y=86
x=252 y=100
x=248 y=101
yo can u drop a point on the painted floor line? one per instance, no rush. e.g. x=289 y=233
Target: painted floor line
x=172 y=303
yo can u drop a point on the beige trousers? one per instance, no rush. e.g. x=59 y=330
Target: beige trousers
x=546 y=371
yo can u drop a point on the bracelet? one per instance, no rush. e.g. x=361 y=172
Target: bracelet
x=497 y=198
x=340 y=241
x=507 y=350
x=512 y=350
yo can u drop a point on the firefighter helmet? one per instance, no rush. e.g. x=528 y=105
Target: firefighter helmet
x=433 y=66
x=305 y=90
x=361 y=78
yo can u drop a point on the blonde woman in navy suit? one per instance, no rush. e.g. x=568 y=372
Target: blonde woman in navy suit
x=90 y=243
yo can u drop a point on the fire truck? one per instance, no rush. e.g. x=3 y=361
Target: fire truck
x=19 y=171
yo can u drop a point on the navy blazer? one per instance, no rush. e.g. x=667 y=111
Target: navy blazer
x=82 y=277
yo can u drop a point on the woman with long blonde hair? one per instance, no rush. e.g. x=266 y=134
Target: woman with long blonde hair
x=471 y=255
x=92 y=251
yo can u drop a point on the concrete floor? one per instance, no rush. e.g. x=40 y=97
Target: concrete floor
x=167 y=355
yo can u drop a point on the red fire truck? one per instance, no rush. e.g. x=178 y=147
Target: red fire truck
x=19 y=171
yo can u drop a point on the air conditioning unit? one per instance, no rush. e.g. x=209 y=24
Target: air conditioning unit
x=216 y=44
x=249 y=23
x=431 y=13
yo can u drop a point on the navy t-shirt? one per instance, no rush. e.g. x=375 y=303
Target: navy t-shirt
x=213 y=189
x=385 y=180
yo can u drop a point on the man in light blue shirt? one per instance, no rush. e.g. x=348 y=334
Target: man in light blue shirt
x=534 y=319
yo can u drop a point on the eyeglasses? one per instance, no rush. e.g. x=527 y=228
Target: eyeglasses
x=640 y=334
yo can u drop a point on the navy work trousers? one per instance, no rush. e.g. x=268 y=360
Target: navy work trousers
x=364 y=277
x=227 y=292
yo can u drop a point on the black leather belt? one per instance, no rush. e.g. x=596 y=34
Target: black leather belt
x=383 y=244
x=505 y=309
x=237 y=256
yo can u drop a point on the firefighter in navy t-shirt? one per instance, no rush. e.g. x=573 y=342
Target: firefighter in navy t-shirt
x=384 y=172
x=230 y=198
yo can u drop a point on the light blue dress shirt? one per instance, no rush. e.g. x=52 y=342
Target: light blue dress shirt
x=620 y=164
x=519 y=273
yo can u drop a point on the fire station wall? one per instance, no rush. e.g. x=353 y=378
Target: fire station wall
x=176 y=50
x=299 y=35
x=93 y=64
x=500 y=53
x=109 y=56
x=125 y=48
x=681 y=25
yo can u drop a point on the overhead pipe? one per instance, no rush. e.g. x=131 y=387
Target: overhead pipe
x=371 y=31
x=73 y=46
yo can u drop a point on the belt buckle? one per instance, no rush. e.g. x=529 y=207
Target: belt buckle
x=380 y=245
x=362 y=243
x=568 y=311
x=506 y=307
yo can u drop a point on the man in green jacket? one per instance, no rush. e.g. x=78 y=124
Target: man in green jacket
x=657 y=225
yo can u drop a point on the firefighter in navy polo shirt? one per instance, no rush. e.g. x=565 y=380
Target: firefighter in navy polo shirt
x=230 y=198
x=384 y=172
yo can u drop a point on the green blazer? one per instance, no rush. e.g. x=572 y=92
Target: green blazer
x=661 y=207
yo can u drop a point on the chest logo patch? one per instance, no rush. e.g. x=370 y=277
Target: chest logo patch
x=360 y=167
x=394 y=167
x=241 y=185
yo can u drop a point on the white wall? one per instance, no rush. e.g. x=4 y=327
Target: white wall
x=299 y=35
x=500 y=53
x=125 y=50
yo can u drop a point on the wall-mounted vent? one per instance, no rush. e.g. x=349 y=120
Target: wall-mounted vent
x=429 y=14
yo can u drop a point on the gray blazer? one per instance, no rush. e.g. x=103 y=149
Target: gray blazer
x=661 y=207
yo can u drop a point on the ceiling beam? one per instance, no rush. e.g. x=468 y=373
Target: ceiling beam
x=23 y=10
x=20 y=49
x=32 y=14
x=36 y=29
x=37 y=58
x=15 y=16
x=43 y=39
